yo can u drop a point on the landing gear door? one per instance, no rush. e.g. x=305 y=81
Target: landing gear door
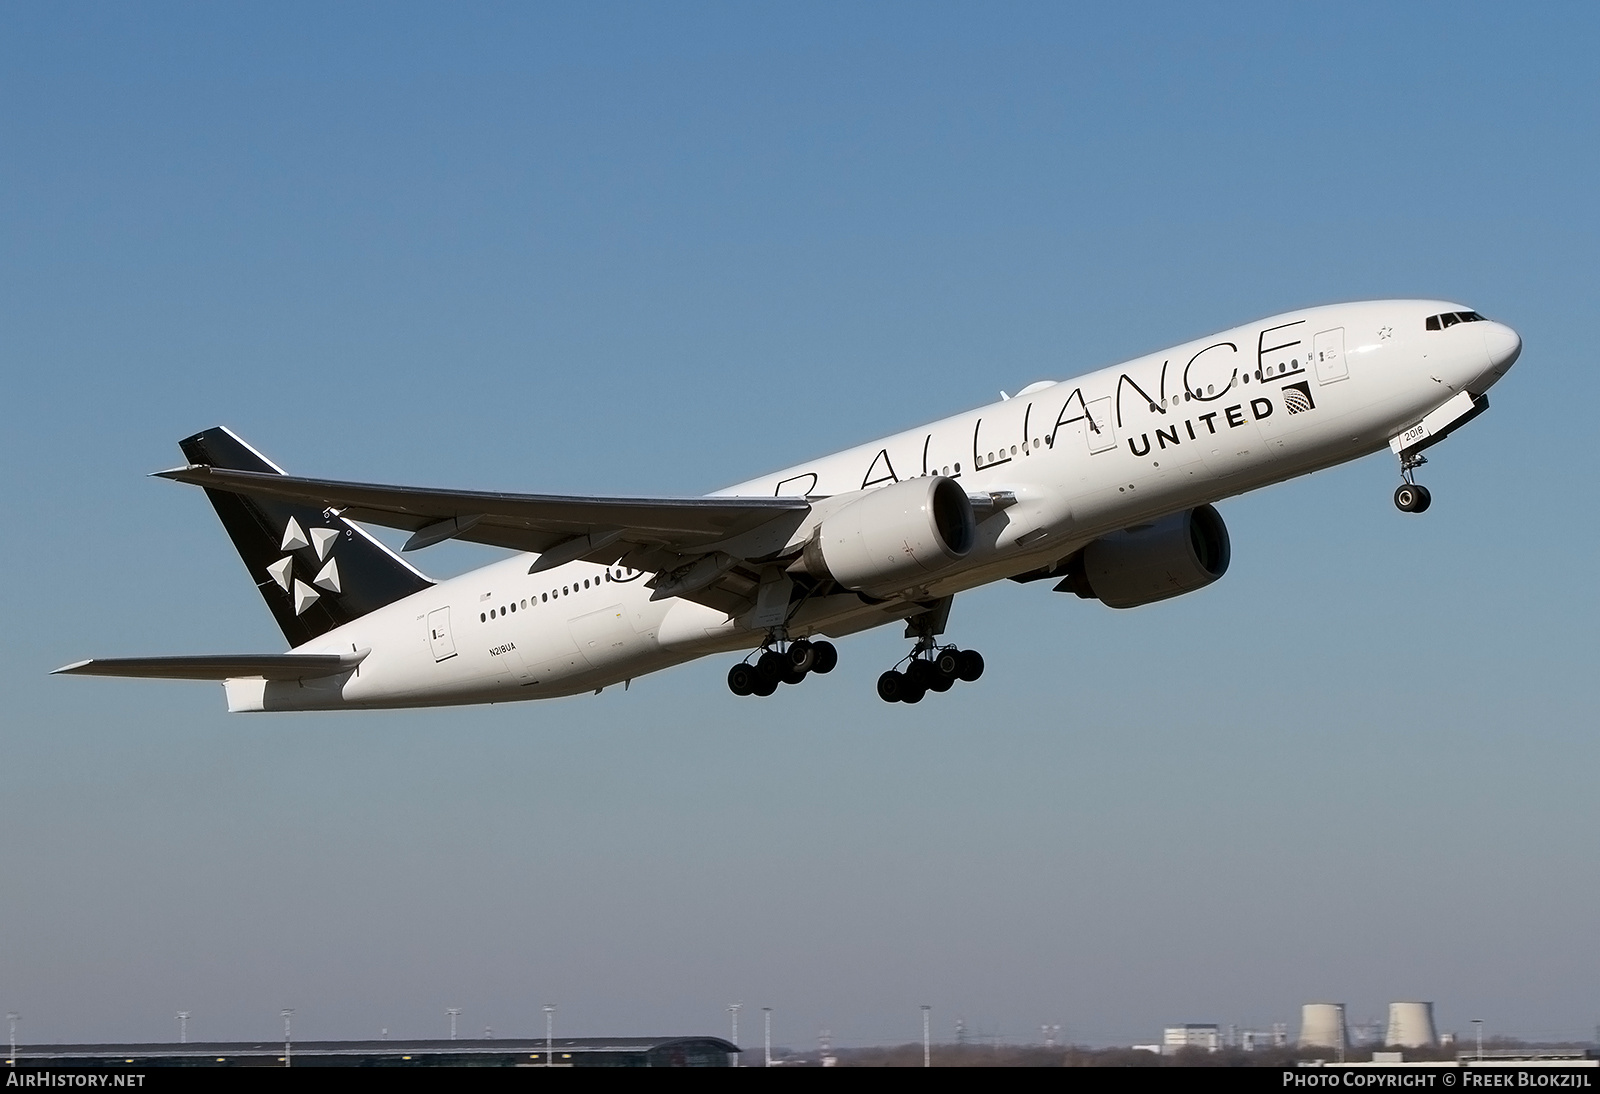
x=1327 y=350
x=439 y=637
x=1098 y=428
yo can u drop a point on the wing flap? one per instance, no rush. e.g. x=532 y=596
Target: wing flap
x=270 y=666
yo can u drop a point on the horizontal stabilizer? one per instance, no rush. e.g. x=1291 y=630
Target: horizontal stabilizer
x=224 y=666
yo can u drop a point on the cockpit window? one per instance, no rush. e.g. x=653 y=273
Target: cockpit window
x=1451 y=318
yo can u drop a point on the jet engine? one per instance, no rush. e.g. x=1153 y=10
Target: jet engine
x=1149 y=562
x=894 y=537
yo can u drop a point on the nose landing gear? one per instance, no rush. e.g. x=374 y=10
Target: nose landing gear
x=1408 y=496
x=788 y=666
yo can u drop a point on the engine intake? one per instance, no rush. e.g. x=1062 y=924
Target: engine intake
x=894 y=537
x=1149 y=562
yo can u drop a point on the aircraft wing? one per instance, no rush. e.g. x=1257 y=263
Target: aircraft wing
x=655 y=535
x=272 y=666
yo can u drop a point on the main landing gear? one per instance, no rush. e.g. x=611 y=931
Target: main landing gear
x=930 y=668
x=1408 y=496
x=789 y=666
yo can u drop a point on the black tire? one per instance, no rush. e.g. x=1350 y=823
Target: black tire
x=742 y=679
x=801 y=658
x=770 y=666
x=948 y=664
x=792 y=675
x=920 y=673
x=914 y=692
x=891 y=686
x=971 y=665
x=765 y=687
x=1424 y=499
x=1407 y=497
x=825 y=656
x=941 y=683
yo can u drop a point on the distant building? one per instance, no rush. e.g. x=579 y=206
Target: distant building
x=1322 y=1026
x=1411 y=1025
x=1192 y=1035
x=500 y=1052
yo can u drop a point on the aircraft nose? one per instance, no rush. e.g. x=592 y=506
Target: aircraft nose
x=1502 y=344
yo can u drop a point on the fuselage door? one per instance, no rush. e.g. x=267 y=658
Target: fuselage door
x=1327 y=349
x=439 y=638
x=1098 y=427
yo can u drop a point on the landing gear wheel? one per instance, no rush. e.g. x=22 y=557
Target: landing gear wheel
x=971 y=665
x=824 y=657
x=892 y=686
x=1410 y=498
x=742 y=679
x=764 y=686
x=915 y=690
x=792 y=675
x=920 y=673
x=941 y=683
x=770 y=665
x=802 y=657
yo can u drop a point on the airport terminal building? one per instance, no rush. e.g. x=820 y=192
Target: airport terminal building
x=498 y=1052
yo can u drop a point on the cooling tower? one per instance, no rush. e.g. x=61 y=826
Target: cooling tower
x=1322 y=1025
x=1411 y=1025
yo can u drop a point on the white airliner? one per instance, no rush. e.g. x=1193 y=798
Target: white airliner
x=1103 y=484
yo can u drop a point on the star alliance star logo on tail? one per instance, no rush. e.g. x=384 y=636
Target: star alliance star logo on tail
x=321 y=540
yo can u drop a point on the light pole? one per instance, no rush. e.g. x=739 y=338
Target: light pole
x=183 y=1027
x=11 y=1018
x=287 y=1012
x=733 y=1009
x=766 y=1033
x=927 y=1045
x=1478 y=1024
x=549 y=1035
x=453 y=1012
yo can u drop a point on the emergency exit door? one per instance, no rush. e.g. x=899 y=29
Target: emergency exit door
x=439 y=639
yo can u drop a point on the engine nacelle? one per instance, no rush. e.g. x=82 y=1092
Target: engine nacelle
x=1141 y=565
x=894 y=537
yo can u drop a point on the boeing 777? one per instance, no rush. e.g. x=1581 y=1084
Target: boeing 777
x=1104 y=485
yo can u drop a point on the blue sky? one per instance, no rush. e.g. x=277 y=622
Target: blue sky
x=662 y=248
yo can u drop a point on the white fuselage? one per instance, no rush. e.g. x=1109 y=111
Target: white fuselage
x=1199 y=422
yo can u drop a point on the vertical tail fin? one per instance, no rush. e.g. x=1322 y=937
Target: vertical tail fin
x=316 y=570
